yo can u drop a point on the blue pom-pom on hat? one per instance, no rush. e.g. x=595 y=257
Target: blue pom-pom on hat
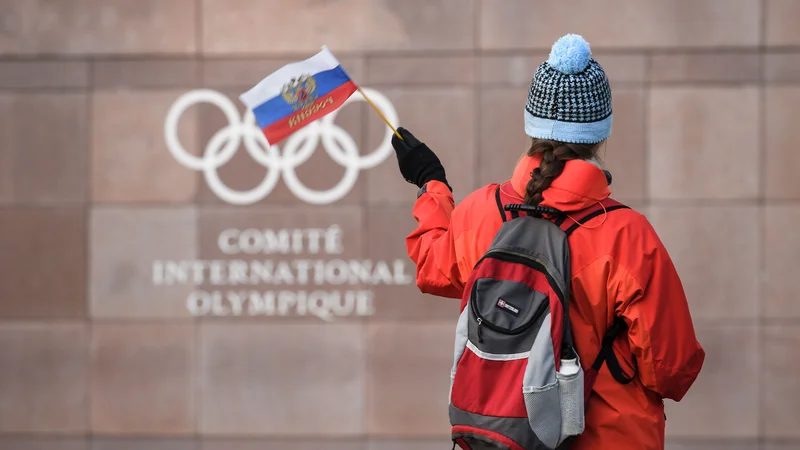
x=570 y=54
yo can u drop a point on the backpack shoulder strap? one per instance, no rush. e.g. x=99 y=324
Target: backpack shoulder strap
x=607 y=355
x=500 y=203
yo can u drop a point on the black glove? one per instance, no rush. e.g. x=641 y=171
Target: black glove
x=418 y=164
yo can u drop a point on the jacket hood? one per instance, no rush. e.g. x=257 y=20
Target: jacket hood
x=581 y=185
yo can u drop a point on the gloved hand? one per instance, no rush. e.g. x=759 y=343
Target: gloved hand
x=418 y=164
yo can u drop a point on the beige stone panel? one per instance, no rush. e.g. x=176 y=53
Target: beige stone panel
x=131 y=251
x=515 y=24
x=705 y=67
x=98 y=26
x=143 y=379
x=782 y=143
x=43 y=147
x=387 y=228
x=284 y=379
x=781 y=22
x=781 y=386
x=131 y=162
x=732 y=364
x=408 y=382
x=781 y=254
x=704 y=143
x=43 y=263
x=713 y=249
x=346 y=26
x=421 y=70
x=43 y=380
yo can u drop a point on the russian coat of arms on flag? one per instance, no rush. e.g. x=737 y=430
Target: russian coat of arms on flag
x=298 y=94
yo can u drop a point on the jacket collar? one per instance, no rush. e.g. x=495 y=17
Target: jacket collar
x=582 y=184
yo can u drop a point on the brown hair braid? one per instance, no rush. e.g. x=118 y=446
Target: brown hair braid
x=554 y=154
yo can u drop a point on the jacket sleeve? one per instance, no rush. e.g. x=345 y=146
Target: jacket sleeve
x=661 y=333
x=431 y=246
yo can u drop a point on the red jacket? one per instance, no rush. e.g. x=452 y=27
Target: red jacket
x=619 y=268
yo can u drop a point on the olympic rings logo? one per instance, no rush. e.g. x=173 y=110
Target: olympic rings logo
x=297 y=149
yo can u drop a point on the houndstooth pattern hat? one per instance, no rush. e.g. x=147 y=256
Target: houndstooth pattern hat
x=569 y=98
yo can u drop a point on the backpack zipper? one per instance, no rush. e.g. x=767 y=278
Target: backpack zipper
x=522 y=258
x=482 y=321
x=528 y=260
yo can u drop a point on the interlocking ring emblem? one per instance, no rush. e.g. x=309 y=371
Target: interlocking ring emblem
x=297 y=149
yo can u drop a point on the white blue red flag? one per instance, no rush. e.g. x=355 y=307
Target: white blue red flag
x=298 y=94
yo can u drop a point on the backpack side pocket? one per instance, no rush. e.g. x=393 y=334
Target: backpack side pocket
x=570 y=393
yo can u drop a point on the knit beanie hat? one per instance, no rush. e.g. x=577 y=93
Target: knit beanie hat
x=569 y=98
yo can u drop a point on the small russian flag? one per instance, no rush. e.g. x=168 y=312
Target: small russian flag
x=298 y=94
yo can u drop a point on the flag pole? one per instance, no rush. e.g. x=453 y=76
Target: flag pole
x=369 y=102
x=379 y=112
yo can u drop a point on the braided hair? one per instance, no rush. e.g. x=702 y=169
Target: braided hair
x=554 y=155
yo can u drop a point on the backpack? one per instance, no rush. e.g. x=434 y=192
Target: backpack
x=517 y=381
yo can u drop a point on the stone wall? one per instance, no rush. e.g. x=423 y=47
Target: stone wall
x=104 y=346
